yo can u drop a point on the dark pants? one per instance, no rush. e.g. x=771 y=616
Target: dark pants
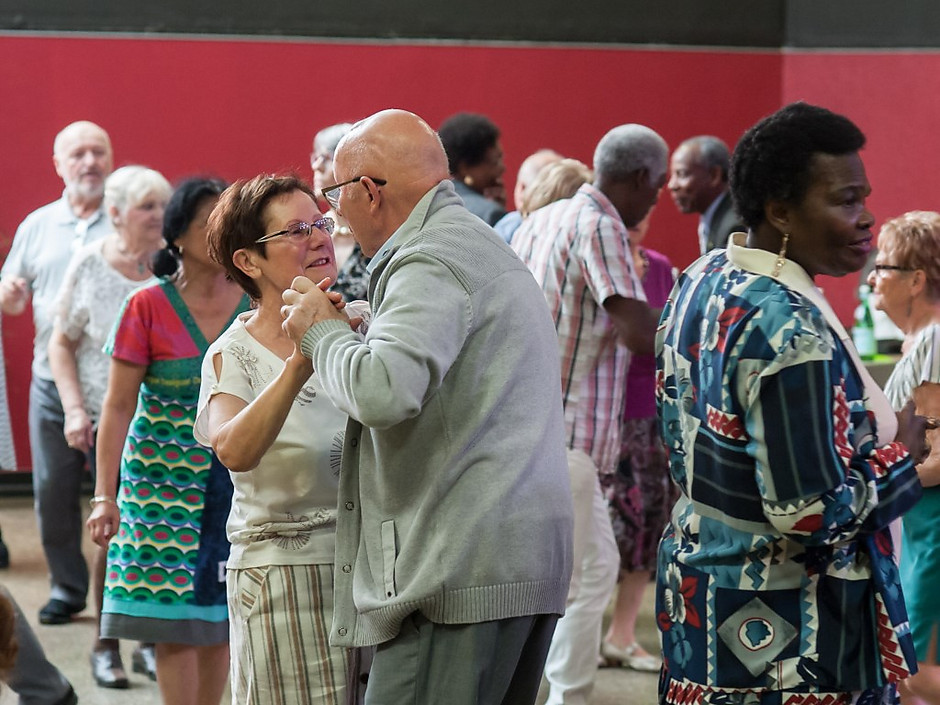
x=58 y=472
x=490 y=663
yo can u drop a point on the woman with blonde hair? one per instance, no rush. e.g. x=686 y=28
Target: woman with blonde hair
x=99 y=278
x=554 y=182
x=905 y=285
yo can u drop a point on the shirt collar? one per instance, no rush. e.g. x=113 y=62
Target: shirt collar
x=67 y=215
x=412 y=222
x=709 y=213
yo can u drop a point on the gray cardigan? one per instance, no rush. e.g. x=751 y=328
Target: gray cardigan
x=454 y=495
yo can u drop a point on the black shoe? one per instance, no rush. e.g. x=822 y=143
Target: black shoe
x=144 y=661
x=108 y=670
x=4 y=554
x=58 y=612
x=70 y=698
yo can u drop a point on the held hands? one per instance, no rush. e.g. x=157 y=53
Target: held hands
x=103 y=522
x=306 y=304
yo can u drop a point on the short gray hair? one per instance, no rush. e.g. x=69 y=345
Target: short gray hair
x=712 y=152
x=629 y=148
x=328 y=138
x=129 y=185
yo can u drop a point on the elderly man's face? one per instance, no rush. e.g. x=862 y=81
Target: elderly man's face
x=83 y=161
x=641 y=200
x=354 y=204
x=692 y=185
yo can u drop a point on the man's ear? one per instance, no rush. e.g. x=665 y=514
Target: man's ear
x=638 y=179
x=715 y=177
x=375 y=194
x=246 y=261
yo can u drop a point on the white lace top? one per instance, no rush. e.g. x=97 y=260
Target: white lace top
x=88 y=303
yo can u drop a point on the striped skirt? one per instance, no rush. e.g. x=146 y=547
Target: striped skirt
x=279 y=619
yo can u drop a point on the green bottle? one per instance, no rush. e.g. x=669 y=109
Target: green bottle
x=863 y=332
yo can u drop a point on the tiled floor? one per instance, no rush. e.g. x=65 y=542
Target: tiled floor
x=67 y=646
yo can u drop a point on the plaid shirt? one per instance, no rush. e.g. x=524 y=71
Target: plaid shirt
x=578 y=250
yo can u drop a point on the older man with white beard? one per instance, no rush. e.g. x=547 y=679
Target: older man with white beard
x=35 y=267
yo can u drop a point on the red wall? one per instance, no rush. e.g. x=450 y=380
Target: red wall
x=895 y=99
x=237 y=108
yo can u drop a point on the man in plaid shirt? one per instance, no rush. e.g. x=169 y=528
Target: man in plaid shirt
x=578 y=250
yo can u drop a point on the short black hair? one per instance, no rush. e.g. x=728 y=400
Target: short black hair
x=466 y=138
x=179 y=214
x=772 y=161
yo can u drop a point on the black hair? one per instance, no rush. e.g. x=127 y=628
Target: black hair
x=773 y=159
x=466 y=138
x=179 y=214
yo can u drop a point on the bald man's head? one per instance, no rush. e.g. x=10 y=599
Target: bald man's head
x=82 y=157
x=398 y=149
x=398 y=143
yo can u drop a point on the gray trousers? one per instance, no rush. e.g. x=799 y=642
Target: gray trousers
x=57 y=477
x=490 y=663
x=36 y=680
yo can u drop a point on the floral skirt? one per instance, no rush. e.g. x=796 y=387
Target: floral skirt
x=640 y=494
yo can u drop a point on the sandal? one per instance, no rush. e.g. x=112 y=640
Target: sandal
x=631 y=656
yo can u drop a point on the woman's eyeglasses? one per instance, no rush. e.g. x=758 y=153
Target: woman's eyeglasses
x=882 y=269
x=300 y=232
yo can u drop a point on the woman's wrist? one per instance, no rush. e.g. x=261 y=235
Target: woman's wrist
x=101 y=499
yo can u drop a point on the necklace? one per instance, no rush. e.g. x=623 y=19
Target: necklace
x=138 y=261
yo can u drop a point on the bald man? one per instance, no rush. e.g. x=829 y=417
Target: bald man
x=35 y=267
x=454 y=530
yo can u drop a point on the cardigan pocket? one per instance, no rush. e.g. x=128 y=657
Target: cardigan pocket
x=389 y=554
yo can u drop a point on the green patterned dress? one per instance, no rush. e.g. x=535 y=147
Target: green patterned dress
x=165 y=580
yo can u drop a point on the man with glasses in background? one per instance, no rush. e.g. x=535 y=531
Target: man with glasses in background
x=454 y=481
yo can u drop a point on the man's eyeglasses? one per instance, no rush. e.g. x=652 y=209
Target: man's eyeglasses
x=300 y=232
x=331 y=193
x=882 y=268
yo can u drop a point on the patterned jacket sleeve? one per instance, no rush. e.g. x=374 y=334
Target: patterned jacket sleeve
x=822 y=477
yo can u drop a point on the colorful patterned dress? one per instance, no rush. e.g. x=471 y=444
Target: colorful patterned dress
x=165 y=580
x=776 y=581
x=640 y=492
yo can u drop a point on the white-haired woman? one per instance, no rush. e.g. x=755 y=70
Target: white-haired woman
x=98 y=279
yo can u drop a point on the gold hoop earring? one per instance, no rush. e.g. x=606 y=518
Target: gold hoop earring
x=781 y=256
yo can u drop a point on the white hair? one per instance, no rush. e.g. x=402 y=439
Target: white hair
x=129 y=185
x=328 y=138
x=629 y=148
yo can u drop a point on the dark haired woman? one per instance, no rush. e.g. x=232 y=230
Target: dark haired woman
x=99 y=278
x=475 y=159
x=776 y=579
x=166 y=526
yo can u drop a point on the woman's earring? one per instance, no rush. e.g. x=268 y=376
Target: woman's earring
x=781 y=256
x=468 y=180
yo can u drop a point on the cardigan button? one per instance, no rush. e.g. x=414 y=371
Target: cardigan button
x=347 y=568
x=341 y=631
x=350 y=506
